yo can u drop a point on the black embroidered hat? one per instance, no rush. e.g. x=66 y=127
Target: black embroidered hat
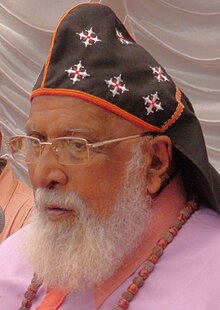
x=93 y=57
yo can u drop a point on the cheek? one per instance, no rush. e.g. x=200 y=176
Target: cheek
x=100 y=184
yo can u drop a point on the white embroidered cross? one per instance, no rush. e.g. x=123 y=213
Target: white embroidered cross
x=77 y=72
x=88 y=37
x=121 y=37
x=152 y=103
x=116 y=85
x=158 y=73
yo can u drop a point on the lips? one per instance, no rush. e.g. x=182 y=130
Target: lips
x=55 y=213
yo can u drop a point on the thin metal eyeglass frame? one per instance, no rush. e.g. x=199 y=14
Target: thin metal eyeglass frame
x=88 y=145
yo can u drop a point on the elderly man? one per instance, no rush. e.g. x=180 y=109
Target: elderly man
x=16 y=200
x=118 y=165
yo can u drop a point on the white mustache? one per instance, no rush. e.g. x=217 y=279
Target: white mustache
x=68 y=201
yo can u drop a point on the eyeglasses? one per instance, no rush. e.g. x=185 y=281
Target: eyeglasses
x=67 y=150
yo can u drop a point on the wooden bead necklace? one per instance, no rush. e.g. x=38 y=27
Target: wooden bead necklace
x=144 y=272
x=156 y=253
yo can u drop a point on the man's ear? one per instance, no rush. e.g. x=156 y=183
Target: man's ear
x=160 y=159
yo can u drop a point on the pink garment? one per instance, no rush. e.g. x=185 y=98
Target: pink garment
x=16 y=200
x=187 y=276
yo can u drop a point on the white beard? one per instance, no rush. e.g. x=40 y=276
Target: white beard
x=75 y=255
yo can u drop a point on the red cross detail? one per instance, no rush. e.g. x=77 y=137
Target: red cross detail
x=77 y=72
x=160 y=74
x=88 y=37
x=117 y=85
x=121 y=38
x=153 y=103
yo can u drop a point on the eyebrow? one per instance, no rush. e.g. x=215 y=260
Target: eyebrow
x=91 y=134
x=76 y=130
x=71 y=131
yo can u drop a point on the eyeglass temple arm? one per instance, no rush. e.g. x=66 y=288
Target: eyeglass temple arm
x=97 y=144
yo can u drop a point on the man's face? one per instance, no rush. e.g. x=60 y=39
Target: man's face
x=97 y=182
x=107 y=201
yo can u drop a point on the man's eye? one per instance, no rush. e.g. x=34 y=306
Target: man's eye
x=75 y=145
x=79 y=146
x=34 y=142
x=38 y=136
x=42 y=139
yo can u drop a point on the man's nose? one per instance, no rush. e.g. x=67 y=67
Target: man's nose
x=47 y=172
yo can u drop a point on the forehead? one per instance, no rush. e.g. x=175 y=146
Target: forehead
x=54 y=113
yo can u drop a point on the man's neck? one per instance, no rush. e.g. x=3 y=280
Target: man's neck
x=165 y=210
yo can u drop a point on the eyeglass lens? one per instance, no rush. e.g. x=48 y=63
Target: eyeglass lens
x=67 y=150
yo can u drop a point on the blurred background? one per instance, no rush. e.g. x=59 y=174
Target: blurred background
x=183 y=35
